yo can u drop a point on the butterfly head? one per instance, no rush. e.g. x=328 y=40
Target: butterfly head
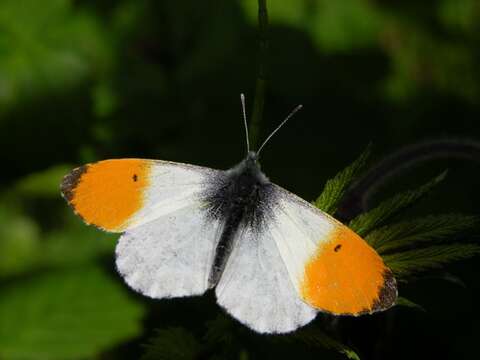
x=252 y=157
x=248 y=168
x=251 y=162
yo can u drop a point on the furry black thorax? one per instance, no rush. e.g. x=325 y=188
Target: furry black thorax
x=239 y=197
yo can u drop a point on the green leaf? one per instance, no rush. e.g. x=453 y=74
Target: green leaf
x=73 y=314
x=407 y=263
x=366 y=222
x=401 y=301
x=458 y=14
x=20 y=241
x=43 y=183
x=430 y=228
x=48 y=47
x=105 y=102
x=334 y=26
x=345 y=25
x=172 y=343
x=318 y=338
x=450 y=63
x=336 y=188
x=23 y=248
x=89 y=244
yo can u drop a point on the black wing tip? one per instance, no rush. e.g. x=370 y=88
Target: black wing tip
x=388 y=294
x=71 y=181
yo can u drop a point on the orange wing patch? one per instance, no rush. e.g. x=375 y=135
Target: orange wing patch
x=346 y=276
x=107 y=193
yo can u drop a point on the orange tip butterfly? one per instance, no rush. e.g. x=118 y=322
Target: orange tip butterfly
x=273 y=259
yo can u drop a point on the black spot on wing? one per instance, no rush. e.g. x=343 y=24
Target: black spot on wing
x=135 y=177
x=337 y=248
x=70 y=182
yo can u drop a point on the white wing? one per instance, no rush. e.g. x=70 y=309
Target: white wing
x=172 y=255
x=120 y=194
x=172 y=186
x=168 y=245
x=255 y=287
x=332 y=268
x=280 y=275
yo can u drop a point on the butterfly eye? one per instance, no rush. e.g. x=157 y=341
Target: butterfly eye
x=135 y=177
x=337 y=248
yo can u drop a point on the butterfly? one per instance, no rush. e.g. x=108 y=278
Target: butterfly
x=273 y=259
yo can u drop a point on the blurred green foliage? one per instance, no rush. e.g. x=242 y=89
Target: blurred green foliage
x=420 y=56
x=48 y=47
x=73 y=313
x=82 y=80
x=57 y=302
x=334 y=26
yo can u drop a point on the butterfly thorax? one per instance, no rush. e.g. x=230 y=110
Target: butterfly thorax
x=239 y=197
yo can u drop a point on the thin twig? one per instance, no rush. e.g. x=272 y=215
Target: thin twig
x=261 y=83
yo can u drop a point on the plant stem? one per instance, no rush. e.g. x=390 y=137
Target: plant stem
x=261 y=82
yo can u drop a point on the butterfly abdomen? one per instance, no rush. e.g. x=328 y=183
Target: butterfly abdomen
x=238 y=197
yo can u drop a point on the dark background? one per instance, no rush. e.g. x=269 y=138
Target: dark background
x=87 y=80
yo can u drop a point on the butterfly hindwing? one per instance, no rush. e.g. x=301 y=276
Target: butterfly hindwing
x=171 y=256
x=255 y=287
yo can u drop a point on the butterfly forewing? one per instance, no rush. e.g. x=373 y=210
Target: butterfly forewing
x=116 y=195
x=168 y=245
x=332 y=268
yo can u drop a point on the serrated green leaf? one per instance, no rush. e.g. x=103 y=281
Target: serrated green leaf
x=401 y=301
x=336 y=188
x=317 y=337
x=446 y=276
x=427 y=229
x=73 y=314
x=366 y=222
x=172 y=343
x=407 y=263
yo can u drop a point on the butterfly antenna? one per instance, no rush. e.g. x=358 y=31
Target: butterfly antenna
x=242 y=99
x=293 y=112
